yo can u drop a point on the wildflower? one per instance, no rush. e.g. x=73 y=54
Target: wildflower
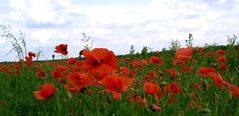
x=155 y=60
x=185 y=69
x=173 y=72
x=221 y=59
x=205 y=70
x=220 y=52
x=62 y=48
x=134 y=63
x=124 y=70
x=223 y=67
x=61 y=68
x=152 y=74
x=100 y=62
x=217 y=79
x=184 y=54
x=47 y=90
x=70 y=88
x=28 y=60
x=41 y=74
x=139 y=99
x=144 y=62
x=71 y=61
x=115 y=85
x=234 y=90
x=56 y=74
x=201 y=49
x=209 y=54
x=31 y=54
x=152 y=88
x=173 y=88
x=79 y=81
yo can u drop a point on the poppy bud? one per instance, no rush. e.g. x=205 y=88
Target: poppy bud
x=155 y=108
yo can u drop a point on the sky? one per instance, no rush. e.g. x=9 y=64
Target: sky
x=116 y=24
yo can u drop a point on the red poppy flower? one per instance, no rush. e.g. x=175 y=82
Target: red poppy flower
x=223 y=66
x=31 y=54
x=217 y=79
x=79 y=81
x=56 y=74
x=135 y=63
x=152 y=74
x=144 y=62
x=221 y=59
x=209 y=54
x=47 y=90
x=100 y=62
x=185 y=69
x=139 y=99
x=28 y=60
x=220 y=52
x=205 y=70
x=41 y=74
x=173 y=88
x=71 y=61
x=152 y=88
x=234 y=90
x=62 y=48
x=155 y=60
x=61 y=68
x=173 y=72
x=124 y=70
x=201 y=49
x=184 y=53
x=70 y=88
x=116 y=85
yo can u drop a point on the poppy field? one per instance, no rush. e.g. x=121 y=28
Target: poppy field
x=187 y=81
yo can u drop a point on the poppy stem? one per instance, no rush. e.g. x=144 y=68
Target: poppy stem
x=85 y=102
x=113 y=110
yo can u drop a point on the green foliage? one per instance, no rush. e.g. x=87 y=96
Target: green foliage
x=174 y=44
x=18 y=43
x=189 y=42
x=17 y=98
x=87 y=42
x=144 y=50
x=231 y=41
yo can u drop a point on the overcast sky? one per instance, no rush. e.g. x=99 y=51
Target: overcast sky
x=116 y=24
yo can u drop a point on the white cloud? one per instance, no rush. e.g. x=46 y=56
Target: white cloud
x=50 y=22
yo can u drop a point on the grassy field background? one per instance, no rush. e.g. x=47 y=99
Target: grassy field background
x=199 y=96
